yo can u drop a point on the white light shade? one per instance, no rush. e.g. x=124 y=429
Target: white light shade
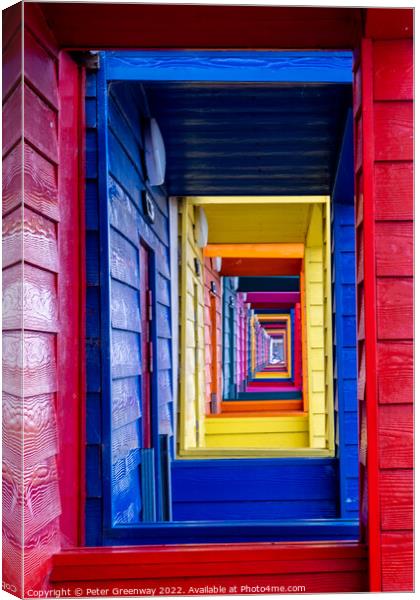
x=201 y=227
x=235 y=283
x=155 y=154
x=216 y=262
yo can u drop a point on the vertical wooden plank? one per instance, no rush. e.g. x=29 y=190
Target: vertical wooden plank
x=370 y=317
x=70 y=397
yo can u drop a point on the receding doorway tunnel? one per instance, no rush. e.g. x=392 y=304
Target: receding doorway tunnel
x=247 y=222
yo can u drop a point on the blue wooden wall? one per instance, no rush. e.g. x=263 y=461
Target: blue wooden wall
x=116 y=224
x=344 y=325
x=254 y=489
x=345 y=367
x=94 y=484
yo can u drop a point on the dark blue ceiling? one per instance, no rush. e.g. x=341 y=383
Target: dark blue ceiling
x=250 y=139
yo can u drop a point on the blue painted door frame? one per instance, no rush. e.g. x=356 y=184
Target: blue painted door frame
x=104 y=531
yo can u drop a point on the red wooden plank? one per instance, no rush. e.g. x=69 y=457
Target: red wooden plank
x=395 y=308
x=11 y=22
x=40 y=241
x=396 y=372
x=369 y=142
x=34 y=298
x=40 y=124
x=12 y=64
x=398 y=564
x=394 y=249
x=203 y=26
x=39 y=491
x=12 y=120
x=393 y=70
x=12 y=179
x=385 y=23
x=41 y=190
x=40 y=432
x=40 y=69
x=71 y=292
x=12 y=238
x=390 y=177
x=125 y=572
x=393 y=127
x=397 y=499
x=396 y=436
x=262 y=584
x=208 y=553
x=30 y=355
x=35 y=21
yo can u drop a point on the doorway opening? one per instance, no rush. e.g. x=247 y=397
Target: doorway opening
x=262 y=384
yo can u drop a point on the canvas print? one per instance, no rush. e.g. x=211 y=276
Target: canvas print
x=207 y=299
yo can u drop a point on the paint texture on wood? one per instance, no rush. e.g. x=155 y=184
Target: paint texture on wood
x=31 y=303
x=320 y=566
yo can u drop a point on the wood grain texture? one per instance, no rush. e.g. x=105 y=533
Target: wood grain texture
x=12 y=120
x=393 y=70
x=393 y=193
x=41 y=191
x=31 y=294
x=31 y=356
x=398 y=560
x=395 y=297
x=37 y=415
x=12 y=60
x=393 y=130
x=12 y=178
x=394 y=249
x=397 y=499
x=41 y=129
x=40 y=70
x=396 y=372
x=396 y=436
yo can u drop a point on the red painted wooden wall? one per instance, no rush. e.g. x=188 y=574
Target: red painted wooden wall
x=41 y=260
x=384 y=206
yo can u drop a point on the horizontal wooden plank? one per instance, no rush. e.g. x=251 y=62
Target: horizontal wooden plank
x=207 y=27
x=250 y=509
x=12 y=62
x=206 y=553
x=29 y=294
x=12 y=180
x=393 y=70
x=40 y=69
x=12 y=120
x=383 y=23
x=32 y=422
x=396 y=436
x=235 y=482
x=42 y=126
x=11 y=23
x=32 y=356
x=397 y=561
x=394 y=244
x=393 y=191
x=396 y=490
x=36 y=22
x=393 y=130
x=395 y=364
x=395 y=297
x=40 y=241
x=183 y=571
x=41 y=191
